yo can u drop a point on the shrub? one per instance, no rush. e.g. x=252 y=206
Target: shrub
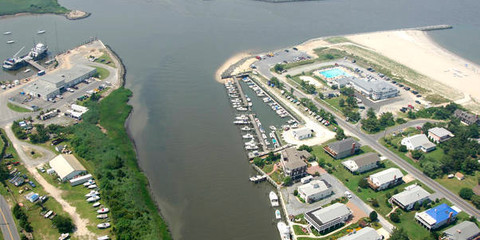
x=373 y=216
x=466 y=193
x=394 y=217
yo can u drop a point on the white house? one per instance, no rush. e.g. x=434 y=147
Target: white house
x=439 y=135
x=302 y=133
x=315 y=190
x=366 y=233
x=407 y=199
x=330 y=217
x=362 y=163
x=385 y=179
x=67 y=166
x=418 y=142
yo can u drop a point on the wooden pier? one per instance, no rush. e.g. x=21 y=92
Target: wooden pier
x=257 y=131
x=240 y=90
x=36 y=65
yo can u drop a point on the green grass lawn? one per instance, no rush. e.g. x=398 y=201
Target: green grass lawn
x=298 y=230
x=8 y=7
x=105 y=59
x=102 y=73
x=17 y=108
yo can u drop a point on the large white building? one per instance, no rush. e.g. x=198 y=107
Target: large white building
x=330 y=217
x=52 y=84
x=315 y=190
x=407 y=199
x=374 y=89
x=302 y=133
x=418 y=142
x=67 y=166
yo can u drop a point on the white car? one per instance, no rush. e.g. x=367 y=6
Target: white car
x=348 y=194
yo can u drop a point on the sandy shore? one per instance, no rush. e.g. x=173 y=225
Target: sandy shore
x=416 y=50
x=231 y=61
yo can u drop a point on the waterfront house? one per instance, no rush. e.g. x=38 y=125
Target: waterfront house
x=418 y=142
x=315 y=190
x=439 y=135
x=463 y=231
x=366 y=233
x=412 y=194
x=385 y=179
x=293 y=162
x=362 y=163
x=374 y=88
x=341 y=149
x=436 y=217
x=67 y=166
x=466 y=117
x=303 y=133
x=330 y=217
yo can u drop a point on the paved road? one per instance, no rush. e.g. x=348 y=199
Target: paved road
x=412 y=123
x=7 y=224
x=372 y=142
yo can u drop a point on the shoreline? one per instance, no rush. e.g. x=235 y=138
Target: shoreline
x=22 y=14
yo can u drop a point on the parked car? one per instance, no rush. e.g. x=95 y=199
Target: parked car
x=32 y=184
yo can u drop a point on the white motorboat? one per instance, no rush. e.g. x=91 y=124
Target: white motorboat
x=97 y=204
x=247 y=136
x=10 y=41
x=278 y=215
x=250 y=147
x=64 y=236
x=102 y=216
x=273 y=128
x=106 y=237
x=246 y=128
x=273 y=199
x=103 y=225
x=92 y=193
x=103 y=210
x=41 y=32
x=242 y=109
x=284 y=230
x=93 y=186
x=93 y=199
x=7 y=33
x=89 y=182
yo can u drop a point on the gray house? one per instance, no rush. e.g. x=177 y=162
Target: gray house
x=341 y=149
x=293 y=162
x=463 y=231
x=362 y=163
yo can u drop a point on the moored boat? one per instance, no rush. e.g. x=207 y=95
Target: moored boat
x=273 y=199
x=278 y=215
x=284 y=230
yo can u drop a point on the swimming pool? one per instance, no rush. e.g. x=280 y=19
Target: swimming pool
x=333 y=73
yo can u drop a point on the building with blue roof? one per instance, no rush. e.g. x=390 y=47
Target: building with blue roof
x=436 y=217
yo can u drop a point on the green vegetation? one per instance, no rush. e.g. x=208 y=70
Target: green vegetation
x=337 y=40
x=105 y=59
x=8 y=7
x=440 y=113
x=134 y=213
x=102 y=73
x=436 y=99
x=372 y=124
x=17 y=108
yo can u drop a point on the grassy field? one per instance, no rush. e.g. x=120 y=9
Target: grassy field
x=42 y=227
x=16 y=108
x=102 y=73
x=8 y=7
x=105 y=59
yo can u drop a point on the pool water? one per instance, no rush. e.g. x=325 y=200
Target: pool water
x=333 y=73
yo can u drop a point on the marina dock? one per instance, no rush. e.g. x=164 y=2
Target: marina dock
x=36 y=65
x=257 y=131
x=240 y=90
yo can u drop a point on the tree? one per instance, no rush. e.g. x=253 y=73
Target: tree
x=394 y=217
x=466 y=193
x=426 y=126
x=321 y=96
x=363 y=183
x=371 y=113
x=416 y=154
x=305 y=147
x=416 y=206
x=63 y=224
x=476 y=201
x=411 y=114
x=351 y=101
x=401 y=121
x=386 y=119
x=374 y=202
x=259 y=162
x=295 y=193
x=278 y=68
x=287 y=181
x=399 y=234
x=373 y=216
x=341 y=102
x=340 y=134
x=402 y=148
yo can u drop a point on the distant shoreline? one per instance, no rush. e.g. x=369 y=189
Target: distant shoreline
x=36 y=14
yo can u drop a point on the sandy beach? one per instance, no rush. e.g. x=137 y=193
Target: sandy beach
x=231 y=61
x=416 y=50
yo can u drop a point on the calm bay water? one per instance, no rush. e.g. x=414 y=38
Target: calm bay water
x=182 y=121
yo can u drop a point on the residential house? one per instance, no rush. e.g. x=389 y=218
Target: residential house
x=412 y=194
x=303 y=133
x=418 y=142
x=362 y=163
x=366 y=233
x=466 y=117
x=439 y=135
x=385 y=179
x=67 y=166
x=293 y=162
x=315 y=190
x=463 y=231
x=459 y=176
x=436 y=217
x=329 y=217
x=341 y=149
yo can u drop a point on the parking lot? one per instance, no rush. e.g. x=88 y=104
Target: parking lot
x=281 y=57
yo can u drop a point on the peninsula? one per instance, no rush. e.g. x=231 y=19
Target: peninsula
x=24 y=7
